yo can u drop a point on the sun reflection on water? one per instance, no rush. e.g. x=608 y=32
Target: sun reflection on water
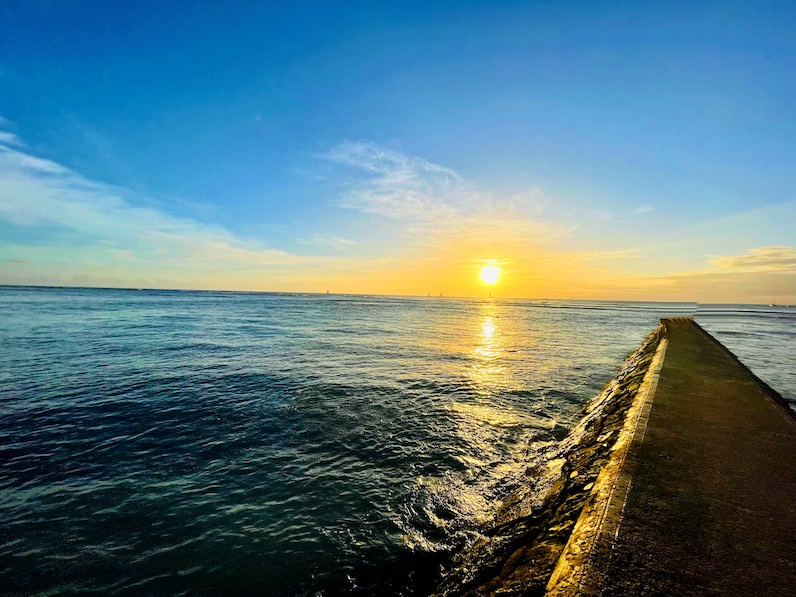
x=488 y=328
x=482 y=418
x=494 y=428
x=487 y=372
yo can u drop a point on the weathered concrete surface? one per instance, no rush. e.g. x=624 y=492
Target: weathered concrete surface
x=711 y=504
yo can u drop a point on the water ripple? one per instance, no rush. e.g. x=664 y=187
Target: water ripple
x=221 y=443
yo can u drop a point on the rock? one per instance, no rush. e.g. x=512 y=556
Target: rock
x=517 y=554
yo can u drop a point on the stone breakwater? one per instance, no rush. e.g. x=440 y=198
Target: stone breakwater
x=518 y=552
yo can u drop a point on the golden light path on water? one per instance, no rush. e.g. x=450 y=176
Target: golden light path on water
x=485 y=420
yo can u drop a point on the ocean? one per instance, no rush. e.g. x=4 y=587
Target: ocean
x=171 y=442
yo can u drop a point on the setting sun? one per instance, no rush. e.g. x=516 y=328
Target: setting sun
x=490 y=274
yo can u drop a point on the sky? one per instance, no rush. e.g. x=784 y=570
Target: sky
x=590 y=150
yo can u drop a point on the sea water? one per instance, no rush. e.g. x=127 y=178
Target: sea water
x=245 y=443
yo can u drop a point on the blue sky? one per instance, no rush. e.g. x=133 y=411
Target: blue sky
x=612 y=150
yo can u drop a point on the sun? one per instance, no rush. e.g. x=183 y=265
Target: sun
x=490 y=274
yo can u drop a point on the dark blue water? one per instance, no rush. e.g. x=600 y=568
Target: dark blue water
x=228 y=443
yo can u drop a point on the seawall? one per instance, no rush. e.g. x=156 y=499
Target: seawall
x=679 y=480
x=701 y=502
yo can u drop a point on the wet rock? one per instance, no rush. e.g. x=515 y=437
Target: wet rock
x=517 y=553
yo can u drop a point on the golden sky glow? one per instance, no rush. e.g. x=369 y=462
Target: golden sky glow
x=409 y=181
x=428 y=232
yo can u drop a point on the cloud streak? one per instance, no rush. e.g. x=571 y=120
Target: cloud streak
x=331 y=240
x=437 y=204
x=7 y=138
x=87 y=223
x=397 y=186
x=36 y=192
x=762 y=259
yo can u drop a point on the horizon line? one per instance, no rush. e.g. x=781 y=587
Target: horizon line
x=354 y=294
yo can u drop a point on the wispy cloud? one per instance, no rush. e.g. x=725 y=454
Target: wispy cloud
x=711 y=287
x=7 y=138
x=36 y=191
x=778 y=258
x=88 y=222
x=436 y=202
x=398 y=186
x=331 y=241
x=534 y=200
x=615 y=255
x=643 y=209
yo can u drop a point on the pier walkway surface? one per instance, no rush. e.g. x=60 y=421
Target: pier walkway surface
x=708 y=506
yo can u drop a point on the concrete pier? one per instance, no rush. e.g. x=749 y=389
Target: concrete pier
x=699 y=496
